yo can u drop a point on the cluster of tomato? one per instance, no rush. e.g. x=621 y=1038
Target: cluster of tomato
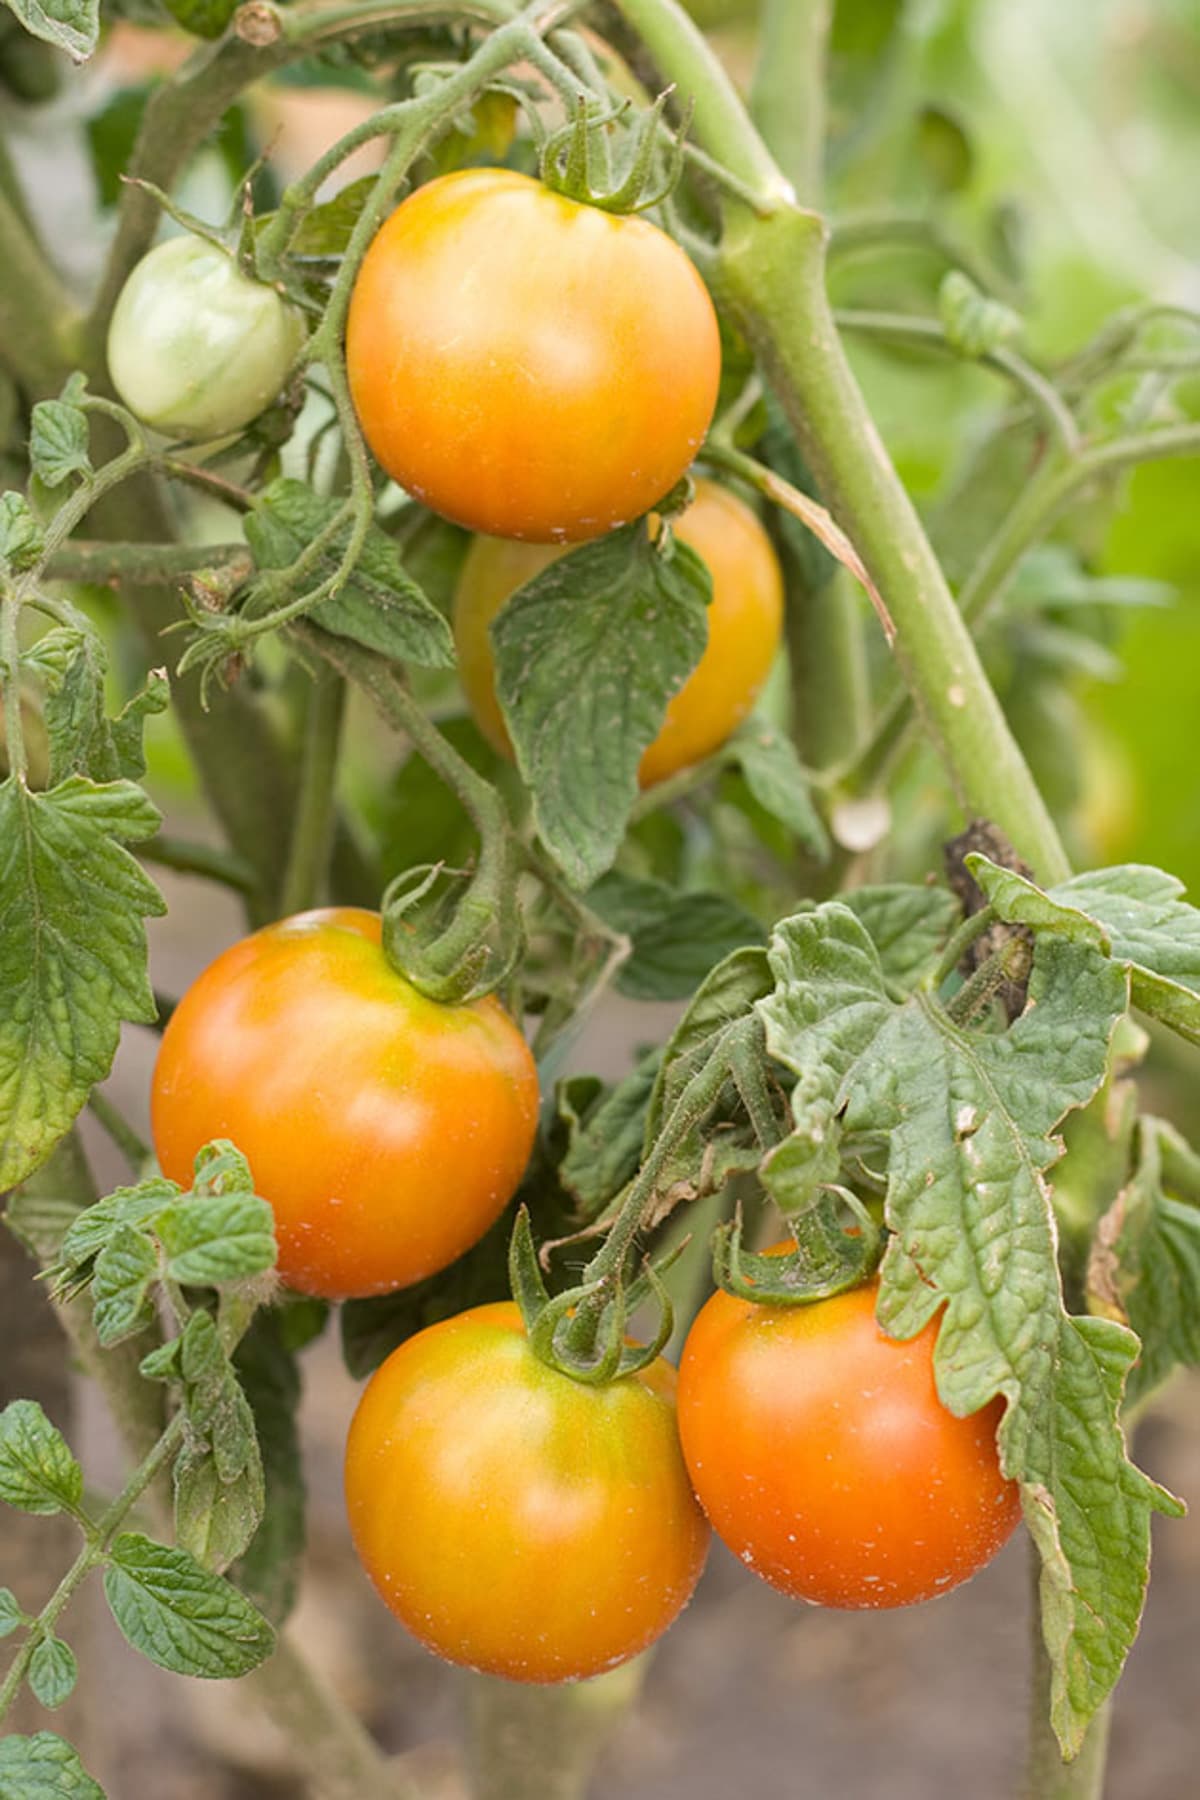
x=542 y=372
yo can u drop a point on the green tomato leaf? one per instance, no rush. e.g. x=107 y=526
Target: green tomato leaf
x=224 y=1238
x=677 y=938
x=21 y=539
x=326 y=230
x=121 y=1281
x=58 y=442
x=1132 y=913
x=968 y=1119
x=605 y=1136
x=44 y=1767
x=72 y=953
x=1145 y=1269
x=129 y=725
x=269 y=1570
x=215 y=1520
x=587 y=655
x=53 y=1673
x=216 y=1407
x=11 y=1616
x=93 y=1228
x=909 y=927
x=70 y=25
x=380 y=606
x=776 y=778
x=180 y=1615
x=38 y=1474
x=71 y=663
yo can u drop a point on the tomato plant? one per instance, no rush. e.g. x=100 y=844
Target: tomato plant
x=387 y=1131
x=513 y=1519
x=568 y=404
x=825 y=1460
x=195 y=347
x=591 y=514
x=744 y=624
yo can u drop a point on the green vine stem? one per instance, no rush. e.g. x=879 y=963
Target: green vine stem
x=118 y=565
x=312 y=831
x=787 y=96
x=826 y=649
x=772 y=265
x=206 y=860
x=543 y=1741
x=97 y=1539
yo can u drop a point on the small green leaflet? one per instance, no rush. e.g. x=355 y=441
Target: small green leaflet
x=380 y=606
x=1145 y=1268
x=776 y=778
x=21 y=537
x=676 y=937
x=269 y=1570
x=44 y=1767
x=70 y=25
x=215 y=1520
x=180 y=1615
x=1132 y=913
x=11 y=1616
x=605 y=1135
x=53 y=1672
x=58 y=442
x=121 y=1281
x=72 y=952
x=967 y=1118
x=588 y=654
x=38 y=1474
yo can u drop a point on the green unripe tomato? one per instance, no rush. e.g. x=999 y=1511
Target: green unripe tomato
x=195 y=348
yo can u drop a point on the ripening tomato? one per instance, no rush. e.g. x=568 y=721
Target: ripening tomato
x=387 y=1131
x=516 y=1520
x=824 y=1458
x=195 y=348
x=745 y=618
x=527 y=366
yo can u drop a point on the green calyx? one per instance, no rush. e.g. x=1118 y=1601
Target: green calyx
x=581 y=1332
x=837 y=1246
x=569 y=156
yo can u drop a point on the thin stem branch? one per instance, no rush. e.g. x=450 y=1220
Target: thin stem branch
x=312 y=833
x=903 y=328
x=93 y=1554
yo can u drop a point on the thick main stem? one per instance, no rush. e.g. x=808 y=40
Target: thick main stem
x=774 y=268
x=527 y=1741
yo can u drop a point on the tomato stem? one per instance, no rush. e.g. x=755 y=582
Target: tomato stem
x=312 y=833
x=1047 y=1776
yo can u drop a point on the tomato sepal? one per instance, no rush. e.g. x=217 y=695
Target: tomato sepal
x=581 y=1331
x=455 y=934
x=566 y=160
x=827 y=1256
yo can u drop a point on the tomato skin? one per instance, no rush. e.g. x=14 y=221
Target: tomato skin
x=825 y=1460
x=745 y=619
x=195 y=348
x=527 y=366
x=513 y=1519
x=387 y=1131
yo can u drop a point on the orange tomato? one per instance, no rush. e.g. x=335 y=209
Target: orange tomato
x=825 y=1459
x=745 y=619
x=513 y=1519
x=386 y=1131
x=527 y=366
